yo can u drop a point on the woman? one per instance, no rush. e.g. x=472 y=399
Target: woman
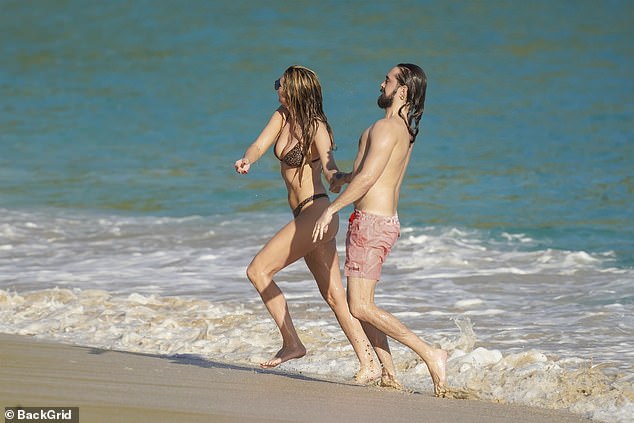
x=302 y=141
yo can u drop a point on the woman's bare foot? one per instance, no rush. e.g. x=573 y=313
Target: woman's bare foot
x=366 y=375
x=437 y=366
x=285 y=354
x=390 y=381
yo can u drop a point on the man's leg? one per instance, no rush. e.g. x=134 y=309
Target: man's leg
x=362 y=306
x=382 y=349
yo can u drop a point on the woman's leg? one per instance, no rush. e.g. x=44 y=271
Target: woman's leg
x=323 y=262
x=382 y=349
x=279 y=252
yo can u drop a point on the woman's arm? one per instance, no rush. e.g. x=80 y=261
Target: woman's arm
x=324 y=149
x=267 y=137
x=342 y=178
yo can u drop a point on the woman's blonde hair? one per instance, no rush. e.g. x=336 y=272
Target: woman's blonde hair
x=305 y=106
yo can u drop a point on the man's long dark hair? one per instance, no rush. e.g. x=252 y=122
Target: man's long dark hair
x=414 y=78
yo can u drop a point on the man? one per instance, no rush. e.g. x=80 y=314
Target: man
x=374 y=187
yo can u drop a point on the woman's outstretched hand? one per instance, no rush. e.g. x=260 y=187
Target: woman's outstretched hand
x=242 y=166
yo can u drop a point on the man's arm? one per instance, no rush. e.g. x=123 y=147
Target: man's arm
x=379 y=144
x=372 y=163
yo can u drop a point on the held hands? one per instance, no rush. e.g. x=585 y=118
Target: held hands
x=337 y=182
x=321 y=225
x=242 y=166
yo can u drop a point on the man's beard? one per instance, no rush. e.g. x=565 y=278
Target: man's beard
x=384 y=101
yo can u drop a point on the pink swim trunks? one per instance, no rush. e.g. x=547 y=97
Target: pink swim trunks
x=369 y=240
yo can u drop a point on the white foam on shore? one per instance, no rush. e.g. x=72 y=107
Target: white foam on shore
x=243 y=334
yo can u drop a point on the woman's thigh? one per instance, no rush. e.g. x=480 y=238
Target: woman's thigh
x=294 y=241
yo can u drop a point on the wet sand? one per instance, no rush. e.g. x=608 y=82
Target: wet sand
x=110 y=386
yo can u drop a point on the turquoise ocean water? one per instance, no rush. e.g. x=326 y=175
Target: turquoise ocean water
x=120 y=123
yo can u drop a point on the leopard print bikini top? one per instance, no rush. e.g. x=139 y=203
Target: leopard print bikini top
x=294 y=157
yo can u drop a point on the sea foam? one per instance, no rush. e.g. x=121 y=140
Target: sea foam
x=243 y=334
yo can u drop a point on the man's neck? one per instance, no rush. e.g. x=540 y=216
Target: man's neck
x=393 y=110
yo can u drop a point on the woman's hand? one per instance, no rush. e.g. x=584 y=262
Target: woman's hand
x=242 y=166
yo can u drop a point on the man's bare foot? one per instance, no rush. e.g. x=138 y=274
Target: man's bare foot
x=455 y=393
x=437 y=366
x=366 y=375
x=285 y=354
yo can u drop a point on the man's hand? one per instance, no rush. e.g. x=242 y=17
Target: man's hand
x=321 y=226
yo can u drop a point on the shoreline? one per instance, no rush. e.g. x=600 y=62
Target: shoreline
x=111 y=385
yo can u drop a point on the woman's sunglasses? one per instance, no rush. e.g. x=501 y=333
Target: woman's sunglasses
x=277 y=84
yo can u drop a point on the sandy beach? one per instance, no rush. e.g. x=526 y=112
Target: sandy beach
x=110 y=386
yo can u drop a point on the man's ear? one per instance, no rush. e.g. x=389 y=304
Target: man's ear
x=402 y=92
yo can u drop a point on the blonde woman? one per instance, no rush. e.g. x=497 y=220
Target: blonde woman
x=302 y=141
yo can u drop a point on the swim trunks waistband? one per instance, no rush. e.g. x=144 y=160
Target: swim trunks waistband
x=301 y=205
x=362 y=215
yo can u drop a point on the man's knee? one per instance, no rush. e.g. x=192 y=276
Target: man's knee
x=359 y=309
